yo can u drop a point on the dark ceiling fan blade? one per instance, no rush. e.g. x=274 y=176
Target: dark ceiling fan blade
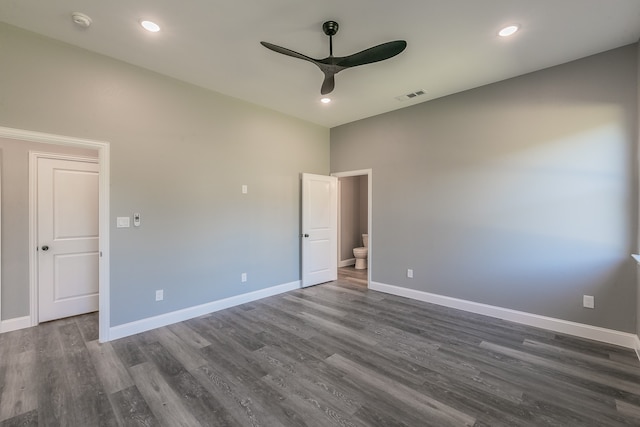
x=287 y=52
x=373 y=54
x=328 y=84
x=332 y=65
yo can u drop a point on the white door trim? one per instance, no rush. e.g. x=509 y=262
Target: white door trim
x=369 y=173
x=103 y=149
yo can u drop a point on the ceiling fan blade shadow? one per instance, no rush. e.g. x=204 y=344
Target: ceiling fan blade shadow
x=373 y=54
x=328 y=84
x=288 y=52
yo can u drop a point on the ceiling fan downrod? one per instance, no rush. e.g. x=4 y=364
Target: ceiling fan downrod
x=330 y=28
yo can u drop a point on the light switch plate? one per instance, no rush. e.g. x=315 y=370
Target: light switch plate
x=588 y=301
x=136 y=219
x=123 y=222
x=245 y=189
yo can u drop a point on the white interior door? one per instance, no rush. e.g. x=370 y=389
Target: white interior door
x=319 y=229
x=67 y=220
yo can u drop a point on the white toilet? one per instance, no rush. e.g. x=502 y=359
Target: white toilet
x=361 y=253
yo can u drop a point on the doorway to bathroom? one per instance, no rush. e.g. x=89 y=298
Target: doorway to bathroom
x=354 y=226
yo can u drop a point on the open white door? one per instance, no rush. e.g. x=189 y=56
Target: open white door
x=319 y=229
x=67 y=218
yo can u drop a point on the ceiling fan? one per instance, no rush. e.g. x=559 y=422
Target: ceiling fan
x=332 y=65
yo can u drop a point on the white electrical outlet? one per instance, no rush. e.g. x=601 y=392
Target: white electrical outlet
x=159 y=295
x=243 y=277
x=410 y=273
x=588 y=301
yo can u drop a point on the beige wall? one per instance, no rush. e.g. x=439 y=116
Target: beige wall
x=363 y=190
x=637 y=249
x=349 y=216
x=353 y=214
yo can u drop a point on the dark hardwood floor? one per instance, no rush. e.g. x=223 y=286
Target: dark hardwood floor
x=335 y=354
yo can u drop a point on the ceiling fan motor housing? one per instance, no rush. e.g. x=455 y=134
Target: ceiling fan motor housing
x=330 y=28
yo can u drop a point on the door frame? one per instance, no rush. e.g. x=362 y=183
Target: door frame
x=369 y=174
x=103 y=149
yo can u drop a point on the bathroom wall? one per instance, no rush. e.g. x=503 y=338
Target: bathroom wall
x=363 y=222
x=637 y=251
x=353 y=215
x=179 y=156
x=349 y=219
x=521 y=194
x=14 y=265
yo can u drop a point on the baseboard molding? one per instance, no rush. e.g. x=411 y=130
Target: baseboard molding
x=347 y=262
x=143 y=325
x=581 y=330
x=14 y=324
x=637 y=347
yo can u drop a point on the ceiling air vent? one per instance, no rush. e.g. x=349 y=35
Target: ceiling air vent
x=410 y=95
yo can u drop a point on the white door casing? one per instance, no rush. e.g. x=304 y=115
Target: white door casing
x=319 y=229
x=67 y=236
x=103 y=149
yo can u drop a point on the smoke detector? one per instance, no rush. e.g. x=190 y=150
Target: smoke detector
x=81 y=20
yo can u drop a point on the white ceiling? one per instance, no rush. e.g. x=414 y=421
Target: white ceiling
x=452 y=44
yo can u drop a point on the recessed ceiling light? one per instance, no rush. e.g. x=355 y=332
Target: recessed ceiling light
x=150 y=26
x=325 y=100
x=508 y=31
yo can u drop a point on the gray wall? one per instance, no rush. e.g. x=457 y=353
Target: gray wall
x=179 y=156
x=14 y=167
x=520 y=194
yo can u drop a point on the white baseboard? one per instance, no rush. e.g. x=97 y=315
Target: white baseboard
x=14 y=324
x=143 y=325
x=581 y=330
x=637 y=347
x=347 y=262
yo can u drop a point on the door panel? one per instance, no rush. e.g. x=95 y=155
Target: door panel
x=319 y=229
x=76 y=204
x=68 y=256
x=72 y=275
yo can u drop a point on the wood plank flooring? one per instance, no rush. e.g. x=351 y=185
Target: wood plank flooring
x=330 y=355
x=353 y=276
